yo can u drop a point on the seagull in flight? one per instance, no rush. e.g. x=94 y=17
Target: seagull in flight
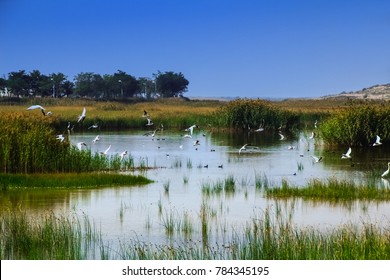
x=106 y=151
x=82 y=116
x=282 y=137
x=97 y=138
x=347 y=154
x=80 y=145
x=60 y=137
x=377 y=141
x=123 y=154
x=33 y=107
x=145 y=115
x=191 y=129
x=243 y=148
x=316 y=159
x=150 y=122
x=151 y=133
x=387 y=171
x=93 y=126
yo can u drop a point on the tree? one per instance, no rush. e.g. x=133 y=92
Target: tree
x=146 y=87
x=89 y=84
x=19 y=83
x=170 y=84
x=121 y=85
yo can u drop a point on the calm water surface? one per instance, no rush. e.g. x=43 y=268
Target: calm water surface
x=180 y=170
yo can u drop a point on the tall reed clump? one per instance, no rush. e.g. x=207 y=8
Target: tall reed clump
x=47 y=237
x=28 y=144
x=357 y=125
x=252 y=113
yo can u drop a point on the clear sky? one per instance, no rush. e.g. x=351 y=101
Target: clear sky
x=230 y=48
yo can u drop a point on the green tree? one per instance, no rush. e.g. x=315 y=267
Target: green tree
x=170 y=84
x=89 y=84
x=19 y=83
x=121 y=85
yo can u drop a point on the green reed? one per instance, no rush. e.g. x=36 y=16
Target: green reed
x=251 y=113
x=69 y=180
x=357 y=125
x=47 y=237
x=331 y=189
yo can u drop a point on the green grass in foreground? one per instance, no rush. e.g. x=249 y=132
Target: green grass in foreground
x=69 y=180
x=332 y=189
x=52 y=237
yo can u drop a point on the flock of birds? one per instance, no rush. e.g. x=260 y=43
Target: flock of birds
x=189 y=133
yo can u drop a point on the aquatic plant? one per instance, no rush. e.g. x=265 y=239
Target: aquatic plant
x=357 y=125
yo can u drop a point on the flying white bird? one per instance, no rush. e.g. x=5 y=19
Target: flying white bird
x=281 y=136
x=377 y=141
x=60 y=137
x=191 y=129
x=93 y=126
x=151 y=133
x=243 y=148
x=387 y=171
x=97 y=138
x=82 y=116
x=106 y=151
x=196 y=143
x=312 y=135
x=347 y=154
x=316 y=159
x=80 y=145
x=33 y=107
x=150 y=122
x=145 y=115
x=123 y=154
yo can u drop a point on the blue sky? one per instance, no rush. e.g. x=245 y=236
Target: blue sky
x=230 y=48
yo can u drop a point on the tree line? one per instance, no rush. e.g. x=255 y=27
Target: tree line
x=119 y=85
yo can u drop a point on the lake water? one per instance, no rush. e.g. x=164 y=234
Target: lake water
x=181 y=170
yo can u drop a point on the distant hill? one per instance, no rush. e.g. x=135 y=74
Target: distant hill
x=374 y=92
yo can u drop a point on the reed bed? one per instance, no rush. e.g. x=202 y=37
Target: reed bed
x=253 y=113
x=357 y=125
x=264 y=237
x=47 y=237
x=331 y=189
x=69 y=180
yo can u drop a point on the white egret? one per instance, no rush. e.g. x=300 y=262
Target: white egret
x=347 y=154
x=387 y=171
x=82 y=116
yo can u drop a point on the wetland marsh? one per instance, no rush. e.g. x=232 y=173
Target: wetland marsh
x=209 y=201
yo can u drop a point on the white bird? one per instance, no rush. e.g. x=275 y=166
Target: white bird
x=93 y=126
x=106 y=151
x=80 y=145
x=243 y=148
x=82 y=116
x=33 y=107
x=191 y=129
x=315 y=124
x=387 y=171
x=377 y=141
x=196 y=143
x=60 y=137
x=291 y=147
x=123 y=154
x=347 y=154
x=151 y=133
x=145 y=115
x=150 y=122
x=281 y=136
x=312 y=135
x=316 y=159
x=97 y=138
